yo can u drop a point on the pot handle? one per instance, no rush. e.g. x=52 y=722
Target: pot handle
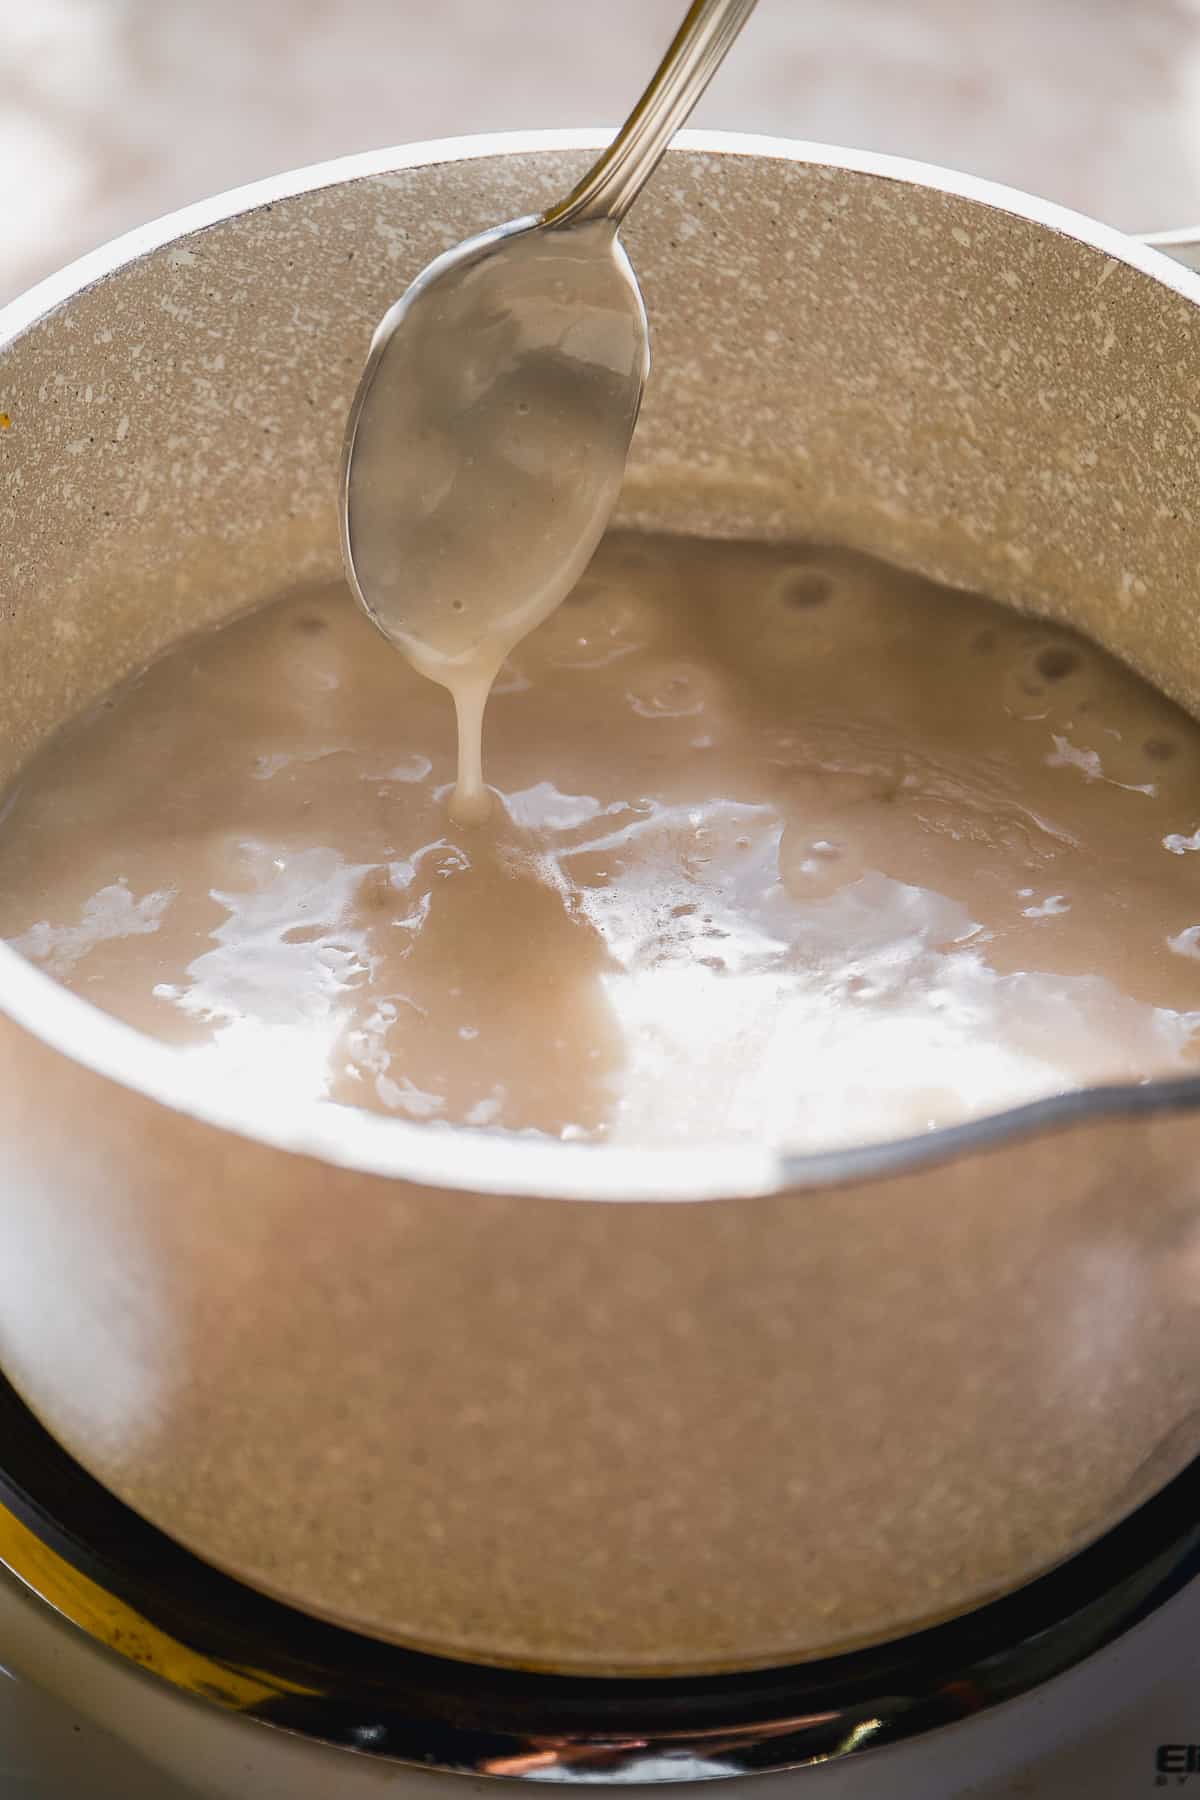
x=1183 y=244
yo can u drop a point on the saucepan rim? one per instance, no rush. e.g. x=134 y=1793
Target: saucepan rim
x=451 y=1157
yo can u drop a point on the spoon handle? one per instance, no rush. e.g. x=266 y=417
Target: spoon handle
x=613 y=183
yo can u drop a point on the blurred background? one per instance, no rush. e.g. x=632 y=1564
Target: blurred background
x=113 y=111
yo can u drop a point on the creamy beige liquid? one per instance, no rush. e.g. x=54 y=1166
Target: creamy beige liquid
x=787 y=846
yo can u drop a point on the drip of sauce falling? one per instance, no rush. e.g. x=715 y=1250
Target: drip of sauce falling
x=785 y=846
x=471 y=803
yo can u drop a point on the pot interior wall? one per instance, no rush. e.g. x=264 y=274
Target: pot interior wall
x=837 y=355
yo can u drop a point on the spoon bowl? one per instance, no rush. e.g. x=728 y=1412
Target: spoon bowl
x=489 y=435
x=488 y=439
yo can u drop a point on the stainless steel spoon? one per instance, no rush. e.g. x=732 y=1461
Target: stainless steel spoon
x=488 y=437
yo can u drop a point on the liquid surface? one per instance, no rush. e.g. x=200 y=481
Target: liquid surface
x=786 y=846
x=498 y=405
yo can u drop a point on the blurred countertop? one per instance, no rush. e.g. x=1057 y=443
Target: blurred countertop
x=115 y=111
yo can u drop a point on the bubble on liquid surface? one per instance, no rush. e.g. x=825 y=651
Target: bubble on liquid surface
x=674 y=690
x=811 y=868
x=1057 y=661
x=1024 y=696
x=602 y=621
x=1049 y=681
x=837 y=823
x=799 y=590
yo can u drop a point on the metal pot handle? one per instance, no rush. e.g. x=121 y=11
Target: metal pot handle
x=1183 y=244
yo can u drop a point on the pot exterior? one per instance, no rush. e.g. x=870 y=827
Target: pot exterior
x=603 y=1436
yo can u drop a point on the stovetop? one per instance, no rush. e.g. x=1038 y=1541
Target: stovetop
x=1119 y=1727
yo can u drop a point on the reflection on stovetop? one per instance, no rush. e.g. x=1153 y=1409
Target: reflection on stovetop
x=48 y=1752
